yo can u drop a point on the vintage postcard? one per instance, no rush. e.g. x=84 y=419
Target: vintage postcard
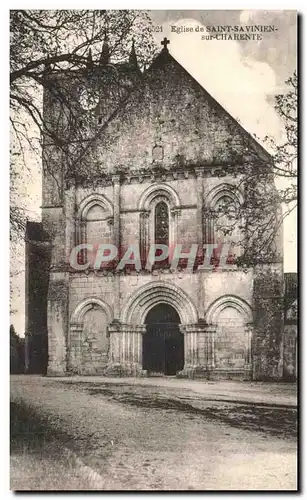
x=153 y=180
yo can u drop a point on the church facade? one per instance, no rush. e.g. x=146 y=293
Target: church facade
x=150 y=176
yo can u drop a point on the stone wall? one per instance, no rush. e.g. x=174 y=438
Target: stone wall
x=57 y=317
x=290 y=357
x=291 y=341
x=203 y=288
x=268 y=302
x=37 y=257
x=167 y=142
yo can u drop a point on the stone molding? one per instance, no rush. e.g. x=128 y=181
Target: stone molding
x=221 y=303
x=158 y=190
x=90 y=201
x=87 y=305
x=153 y=293
x=166 y=174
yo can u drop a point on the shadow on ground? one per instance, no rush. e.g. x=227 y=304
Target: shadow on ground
x=90 y=439
x=40 y=460
x=278 y=420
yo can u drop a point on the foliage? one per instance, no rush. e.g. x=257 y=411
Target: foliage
x=16 y=352
x=267 y=183
x=59 y=52
x=58 y=42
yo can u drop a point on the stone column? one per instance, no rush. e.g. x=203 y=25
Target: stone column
x=125 y=357
x=210 y=331
x=70 y=220
x=173 y=229
x=248 y=367
x=57 y=322
x=116 y=209
x=74 y=357
x=199 y=213
x=144 y=235
x=80 y=238
x=198 y=350
x=193 y=343
x=116 y=240
x=208 y=224
x=200 y=238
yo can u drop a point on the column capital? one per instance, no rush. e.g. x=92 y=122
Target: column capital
x=175 y=211
x=76 y=327
x=194 y=328
x=199 y=172
x=116 y=179
x=117 y=326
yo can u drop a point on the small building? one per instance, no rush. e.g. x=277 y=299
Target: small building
x=290 y=327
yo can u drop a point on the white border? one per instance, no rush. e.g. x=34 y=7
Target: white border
x=4 y=192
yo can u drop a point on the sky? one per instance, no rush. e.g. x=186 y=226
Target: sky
x=243 y=76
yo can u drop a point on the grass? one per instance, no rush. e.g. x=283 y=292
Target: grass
x=39 y=461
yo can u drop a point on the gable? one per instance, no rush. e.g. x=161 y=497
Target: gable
x=169 y=121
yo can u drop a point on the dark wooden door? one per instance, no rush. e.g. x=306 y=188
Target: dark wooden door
x=154 y=349
x=174 y=350
x=163 y=344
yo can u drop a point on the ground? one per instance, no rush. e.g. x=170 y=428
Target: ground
x=94 y=433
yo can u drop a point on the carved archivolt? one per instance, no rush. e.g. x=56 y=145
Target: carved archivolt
x=221 y=303
x=158 y=191
x=88 y=304
x=82 y=215
x=147 y=203
x=221 y=190
x=92 y=200
x=210 y=204
x=154 y=293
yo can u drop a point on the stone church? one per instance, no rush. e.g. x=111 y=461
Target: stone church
x=155 y=144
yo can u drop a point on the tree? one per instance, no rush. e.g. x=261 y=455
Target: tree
x=46 y=45
x=16 y=352
x=267 y=183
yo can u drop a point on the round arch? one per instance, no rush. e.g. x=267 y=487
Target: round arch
x=223 y=189
x=222 y=303
x=87 y=305
x=151 y=294
x=91 y=200
x=158 y=191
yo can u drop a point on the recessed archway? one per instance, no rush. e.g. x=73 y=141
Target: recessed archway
x=87 y=304
x=158 y=191
x=232 y=318
x=156 y=292
x=221 y=303
x=163 y=343
x=152 y=198
x=88 y=342
x=92 y=200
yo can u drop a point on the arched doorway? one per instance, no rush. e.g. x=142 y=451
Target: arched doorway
x=163 y=343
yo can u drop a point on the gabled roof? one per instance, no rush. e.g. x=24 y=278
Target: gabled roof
x=161 y=61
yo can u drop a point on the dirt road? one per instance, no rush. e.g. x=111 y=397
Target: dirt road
x=109 y=436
